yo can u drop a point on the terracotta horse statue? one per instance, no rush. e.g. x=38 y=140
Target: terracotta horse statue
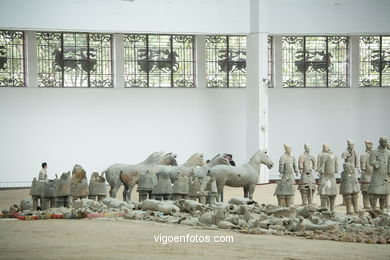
x=246 y=175
x=217 y=160
x=194 y=161
x=113 y=172
x=130 y=178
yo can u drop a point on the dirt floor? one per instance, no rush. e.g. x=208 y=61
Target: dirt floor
x=131 y=239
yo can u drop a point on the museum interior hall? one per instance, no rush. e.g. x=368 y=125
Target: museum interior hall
x=187 y=129
x=98 y=82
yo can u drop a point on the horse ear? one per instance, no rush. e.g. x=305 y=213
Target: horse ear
x=174 y=155
x=265 y=151
x=201 y=155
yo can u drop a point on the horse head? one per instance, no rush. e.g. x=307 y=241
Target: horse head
x=168 y=159
x=196 y=160
x=261 y=157
x=154 y=157
x=219 y=159
x=264 y=159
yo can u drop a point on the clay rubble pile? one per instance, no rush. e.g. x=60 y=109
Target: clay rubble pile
x=242 y=215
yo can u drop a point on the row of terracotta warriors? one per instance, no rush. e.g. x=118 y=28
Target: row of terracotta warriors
x=374 y=182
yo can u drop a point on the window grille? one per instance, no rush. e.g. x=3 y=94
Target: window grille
x=11 y=59
x=315 y=61
x=374 y=61
x=159 y=60
x=225 y=61
x=74 y=59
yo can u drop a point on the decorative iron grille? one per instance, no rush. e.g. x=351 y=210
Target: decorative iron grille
x=225 y=61
x=270 y=63
x=374 y=61
x=11 y=59
x=159 y=60
x=74 y=59
x=319 y=61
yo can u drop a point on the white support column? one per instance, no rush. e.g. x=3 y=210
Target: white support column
x=354 y=62
x=31 y=63
x=257 y=96
x=263 y=101
x=200 y=52
x=118 y=60
x=278 y=58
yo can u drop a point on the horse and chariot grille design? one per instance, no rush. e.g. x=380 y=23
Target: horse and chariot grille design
x=74 y=60
x=320 y=61
x=225 y=61
x=11 y=59
x=159 y=60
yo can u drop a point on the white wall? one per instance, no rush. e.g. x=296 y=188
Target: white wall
x=99 y=127
x=324 y=16
x=332 y=116
x=162 y=16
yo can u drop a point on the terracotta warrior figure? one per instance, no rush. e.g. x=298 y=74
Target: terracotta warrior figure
x=365 y=179
x=306 y=165
x=146 y=183
x=163 y=189
x=327 y=169
x=181 y=186
x=380 y=181
x=287 y=169
x=97 y=187
x=349 y=187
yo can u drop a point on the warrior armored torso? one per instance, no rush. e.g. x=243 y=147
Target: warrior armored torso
x=327 y=167
x=287 y=169
x=307 y=164
x=380 y=180
x=366 y=171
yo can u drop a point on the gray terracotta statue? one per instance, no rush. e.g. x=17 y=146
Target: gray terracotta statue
x=47 y=196
x=307 y=183
x=350 y=156
x=181 y=186
x=212 y=192
x=36 y=192
x=245 y=175
x=380 y=181
x=287 y=169
x=327 y=169
x=131 y=172
x=366 y=170
x=163 y=189
x=197 y=188
x=79 y=184
x=349 y=188
x=146 y=183
x=97 y=187
x=62 y=190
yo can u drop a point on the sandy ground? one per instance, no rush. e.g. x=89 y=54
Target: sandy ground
x=130 y=239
